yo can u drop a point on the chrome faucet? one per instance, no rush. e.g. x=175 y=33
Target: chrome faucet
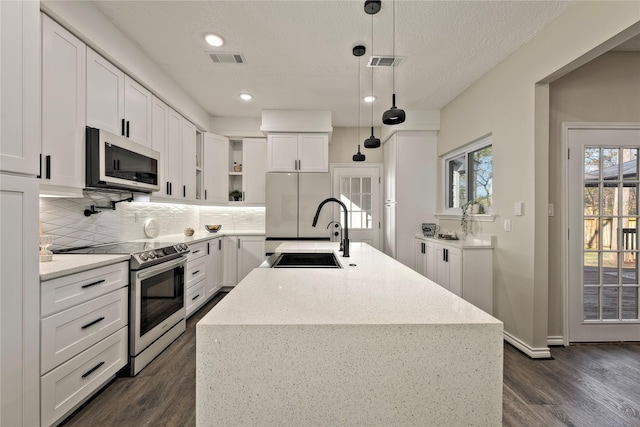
x=337 y=225
x=345 y=241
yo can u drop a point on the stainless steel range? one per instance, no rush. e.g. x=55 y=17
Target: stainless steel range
x=157 y=295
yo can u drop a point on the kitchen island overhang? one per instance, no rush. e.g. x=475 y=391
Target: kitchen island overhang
x=374 y=344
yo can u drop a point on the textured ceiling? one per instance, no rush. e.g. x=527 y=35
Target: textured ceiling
x=298 y=53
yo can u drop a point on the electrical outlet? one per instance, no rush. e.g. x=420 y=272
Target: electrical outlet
x=550 y=209
x=518 y=208
x=507 y=225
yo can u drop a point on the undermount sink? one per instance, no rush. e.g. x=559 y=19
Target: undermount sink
x=306 y=260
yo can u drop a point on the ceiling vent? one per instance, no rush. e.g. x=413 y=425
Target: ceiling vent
x=227 y=58
x=384 y=61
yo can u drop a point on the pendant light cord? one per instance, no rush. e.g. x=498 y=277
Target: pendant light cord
x=393 y=51
x=358 y=101
x=372 y=53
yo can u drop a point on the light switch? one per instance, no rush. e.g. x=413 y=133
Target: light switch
x=507 y=225
x=517 y=208
x=550 y=209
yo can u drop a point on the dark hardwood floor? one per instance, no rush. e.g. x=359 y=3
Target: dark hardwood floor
x=584 y=385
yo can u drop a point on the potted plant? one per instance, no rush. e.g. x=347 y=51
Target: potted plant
x=472 y=207
x=236 y=194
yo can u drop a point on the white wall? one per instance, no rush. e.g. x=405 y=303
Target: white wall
x=506 y=103
x=606 y=89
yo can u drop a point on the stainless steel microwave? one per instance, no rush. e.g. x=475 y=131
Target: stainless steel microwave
x=114 y=162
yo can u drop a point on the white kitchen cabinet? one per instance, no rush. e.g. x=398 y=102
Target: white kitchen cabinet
x=115 y=102
x=254 y=155
x=63 y=111
x=241 y=255
x=159 y=137
x=19 y=300
x=410 y=164
x=188 y=142
x=215 y=152
x=214 y=267
x=105 y=94
x=466 y=270
x=20 y=87
x=298 y=152
x=84 y=336
x=173 y=155
x=424 y=258
x=195 y=277
x=448 y=268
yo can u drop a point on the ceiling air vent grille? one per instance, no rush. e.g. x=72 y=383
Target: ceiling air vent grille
x=384 y=61
x=227 y=58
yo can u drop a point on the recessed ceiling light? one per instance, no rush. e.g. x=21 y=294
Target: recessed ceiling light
x=369 y=98
x=214 y=40
x=246 y=96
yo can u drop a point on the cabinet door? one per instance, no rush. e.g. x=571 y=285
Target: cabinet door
x=389 y=235
x=63 y=106
x=230 y=256
x=173 y=161
x=20 y=87
x=419 y=255
x=137 y=111
x=188 y=160
x=214 y=168
x=250 y=254
x=282 y=152
x=214 y=266
x=254 y=161
x=105 y=94
x=313 y=153
x=19 y=301
x=441 y=266
x=429 y=265
x=454 y=259
x=159 y=120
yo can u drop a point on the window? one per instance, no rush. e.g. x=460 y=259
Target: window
x=469 y=176
x=356 y=194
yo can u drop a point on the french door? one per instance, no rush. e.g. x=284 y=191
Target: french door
x=603 y=212
x=359 y=189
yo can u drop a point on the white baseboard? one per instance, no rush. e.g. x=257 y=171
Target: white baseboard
x=555 y=340
x=534 y=353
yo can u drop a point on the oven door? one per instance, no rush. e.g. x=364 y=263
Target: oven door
x=157 y=302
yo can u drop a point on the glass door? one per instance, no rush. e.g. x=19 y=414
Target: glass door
x=603 y=238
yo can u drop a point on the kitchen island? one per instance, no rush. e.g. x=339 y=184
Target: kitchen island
x=372 y=343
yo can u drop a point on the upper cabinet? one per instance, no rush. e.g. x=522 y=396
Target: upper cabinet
x=117 y=103
x=292 y=152
x=215 y=152
x=63 y=110
x=254 y=153
x=189 y=162
x=20 y=87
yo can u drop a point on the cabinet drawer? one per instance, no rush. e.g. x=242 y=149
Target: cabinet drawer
x=197 y=250
x=196 y=271
x=195 y=297
x=65 y=292
x=65 y=334
x=72 y=382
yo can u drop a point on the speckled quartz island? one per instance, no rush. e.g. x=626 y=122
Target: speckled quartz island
x=373 y=344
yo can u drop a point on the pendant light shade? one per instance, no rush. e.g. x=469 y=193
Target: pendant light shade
x=358 y=51
x=372 y=7
x=394 y=115
x=372 y=141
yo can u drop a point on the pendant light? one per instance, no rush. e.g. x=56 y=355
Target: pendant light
x=359 y=51
x=372 y=141
x=394 y=115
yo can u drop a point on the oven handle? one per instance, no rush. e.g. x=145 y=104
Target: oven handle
x=152 y=271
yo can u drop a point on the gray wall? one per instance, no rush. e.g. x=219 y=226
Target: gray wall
x=606 y=89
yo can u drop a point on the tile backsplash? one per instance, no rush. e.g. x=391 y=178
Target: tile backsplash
x=64 y=219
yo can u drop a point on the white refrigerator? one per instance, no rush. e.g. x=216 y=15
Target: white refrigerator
x=291 y=203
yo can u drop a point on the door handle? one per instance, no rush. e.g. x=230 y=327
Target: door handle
x=122 y=132
x=219 y=244
x=127 y=128
x=48 y=168
x=205 y=194
x=40 y=173
x=184 y=191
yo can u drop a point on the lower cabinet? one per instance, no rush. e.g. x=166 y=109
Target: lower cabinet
x=467 y=271
x=241 y=255
x=84 y=336
x=215 y=277
x=195 y=277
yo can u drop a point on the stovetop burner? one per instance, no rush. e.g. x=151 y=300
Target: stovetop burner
x=143 y=254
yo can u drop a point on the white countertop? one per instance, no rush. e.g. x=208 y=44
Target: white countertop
x=469 y=242
x=377 y=290
x=66 y=264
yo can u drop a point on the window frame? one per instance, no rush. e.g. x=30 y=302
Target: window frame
x=465 y=151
